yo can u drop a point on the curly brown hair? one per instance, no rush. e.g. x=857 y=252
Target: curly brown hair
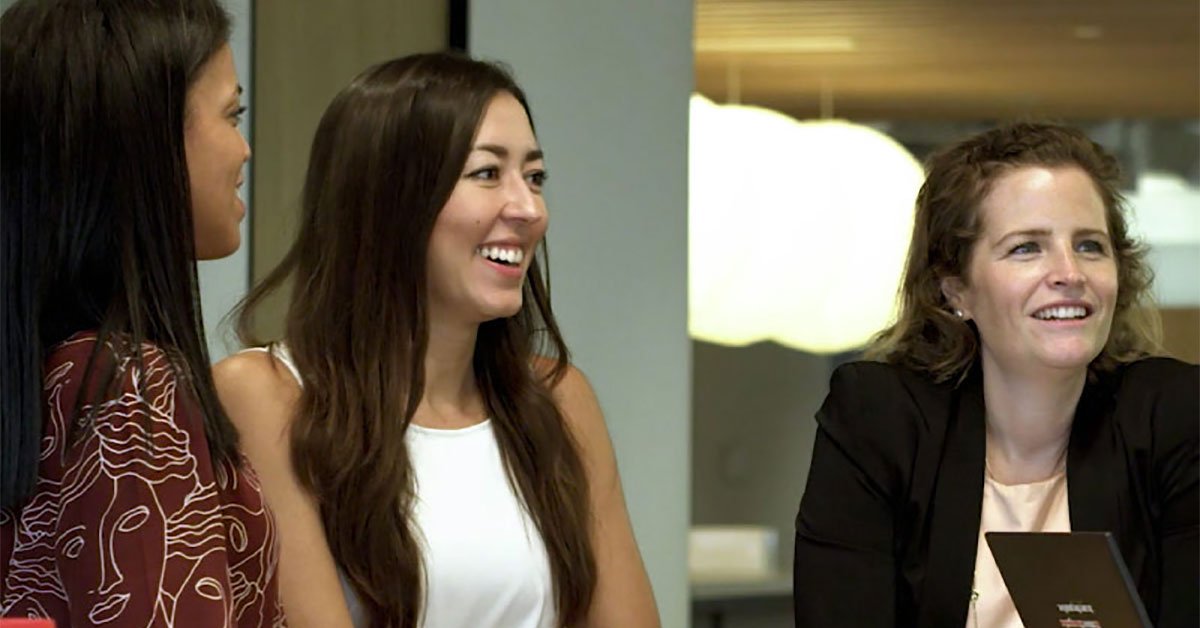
x=927 y=336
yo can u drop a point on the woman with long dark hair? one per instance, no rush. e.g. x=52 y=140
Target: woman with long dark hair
x=125 y=500
x=409 y=430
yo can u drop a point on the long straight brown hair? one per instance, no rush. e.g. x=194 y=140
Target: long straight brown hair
x=386 y=156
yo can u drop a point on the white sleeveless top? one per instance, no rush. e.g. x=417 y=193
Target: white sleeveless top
x=1034 y=507
x=485 y=563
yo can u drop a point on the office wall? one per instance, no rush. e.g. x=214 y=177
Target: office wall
x=609 y=83
x=753 y=433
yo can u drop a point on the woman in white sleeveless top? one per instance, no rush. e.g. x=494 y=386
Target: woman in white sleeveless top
x=419 y=451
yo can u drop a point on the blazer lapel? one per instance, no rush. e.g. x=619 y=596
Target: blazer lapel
x=1096 y=476
x=953 y=533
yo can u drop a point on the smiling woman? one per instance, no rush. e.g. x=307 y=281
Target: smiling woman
x=492 y=223
x=1016 y=393
x=1041 y=283
x=417 y=442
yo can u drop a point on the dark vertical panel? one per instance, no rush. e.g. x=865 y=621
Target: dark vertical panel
x=457 y=12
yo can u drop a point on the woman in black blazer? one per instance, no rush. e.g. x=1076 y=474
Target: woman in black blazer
x=1019 y=362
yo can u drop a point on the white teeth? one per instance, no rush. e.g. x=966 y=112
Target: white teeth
x=502 y=254
x=1060 y=313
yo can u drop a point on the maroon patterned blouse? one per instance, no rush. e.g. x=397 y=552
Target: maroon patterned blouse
x=130 y=523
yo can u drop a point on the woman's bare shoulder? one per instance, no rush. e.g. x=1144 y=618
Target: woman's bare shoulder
x=258 y=391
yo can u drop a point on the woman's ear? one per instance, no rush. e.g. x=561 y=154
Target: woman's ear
x=955 y=291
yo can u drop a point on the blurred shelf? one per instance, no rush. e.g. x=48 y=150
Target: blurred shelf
x=738 y=587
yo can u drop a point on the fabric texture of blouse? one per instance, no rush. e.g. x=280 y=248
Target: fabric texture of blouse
x=130 y=523
x=1032 y=507
x=484 y=561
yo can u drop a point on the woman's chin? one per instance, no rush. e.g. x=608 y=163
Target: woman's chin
x=1068 y=358
x=500 y=309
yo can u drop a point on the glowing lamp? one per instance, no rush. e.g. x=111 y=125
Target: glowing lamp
x=797 y=231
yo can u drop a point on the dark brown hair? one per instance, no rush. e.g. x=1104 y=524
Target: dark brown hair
x=927 y=336
x=386 y=156
x=95 y=203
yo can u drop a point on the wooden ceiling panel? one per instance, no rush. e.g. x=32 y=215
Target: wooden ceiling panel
x=954 y=59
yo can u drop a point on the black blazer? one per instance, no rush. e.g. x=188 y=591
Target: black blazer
x=889 y=522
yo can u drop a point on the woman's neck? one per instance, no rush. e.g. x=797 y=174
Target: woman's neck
x=451 y=398
x=1029 y=417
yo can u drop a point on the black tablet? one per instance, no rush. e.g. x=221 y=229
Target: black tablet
x=1067 y=580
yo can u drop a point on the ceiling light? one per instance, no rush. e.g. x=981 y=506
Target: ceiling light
x=797 y=231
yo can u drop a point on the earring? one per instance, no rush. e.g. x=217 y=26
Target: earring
x=958 y=313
